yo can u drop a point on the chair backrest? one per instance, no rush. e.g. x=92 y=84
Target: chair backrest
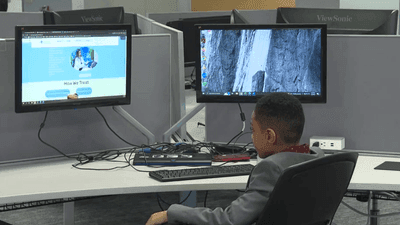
x=309 y=193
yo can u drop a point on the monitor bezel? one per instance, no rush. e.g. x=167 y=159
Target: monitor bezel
x=253 y=99
x=84 y=103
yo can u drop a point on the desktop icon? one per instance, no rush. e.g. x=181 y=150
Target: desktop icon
x=203 y=40
x=204 y=67
x=204 y=75
x=203 y=49
x=204 y=83
x=204 y=57
x=254 y=94
x=229 y=93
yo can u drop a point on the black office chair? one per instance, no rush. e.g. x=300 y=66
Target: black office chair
x=309 y=193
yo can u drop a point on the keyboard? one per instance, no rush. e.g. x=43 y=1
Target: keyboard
x=202 y=172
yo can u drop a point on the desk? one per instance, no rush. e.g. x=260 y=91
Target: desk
x=55 y=179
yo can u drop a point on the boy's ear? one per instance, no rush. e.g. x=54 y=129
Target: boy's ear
x=270 y=136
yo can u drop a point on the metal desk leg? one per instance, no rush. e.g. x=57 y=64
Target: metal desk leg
x=374 y=211
x=192 y=199
x=69 y=217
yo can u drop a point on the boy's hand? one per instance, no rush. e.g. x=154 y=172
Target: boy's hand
x=158 y=218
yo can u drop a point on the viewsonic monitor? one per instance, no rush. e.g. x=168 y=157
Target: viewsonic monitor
x=112 y=15
x=68 y=67
x=241 y=63
x=187 y=26
x=343 y=21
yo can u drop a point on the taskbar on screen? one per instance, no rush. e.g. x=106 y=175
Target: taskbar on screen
x=258 y=93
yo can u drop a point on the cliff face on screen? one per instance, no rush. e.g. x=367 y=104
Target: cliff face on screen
x=261 y=60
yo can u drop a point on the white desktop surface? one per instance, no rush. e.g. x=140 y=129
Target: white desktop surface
x=57 y=179
x=365 y=177
x=54 y=179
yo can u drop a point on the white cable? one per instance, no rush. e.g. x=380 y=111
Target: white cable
x=391 y=194
x=244 y=126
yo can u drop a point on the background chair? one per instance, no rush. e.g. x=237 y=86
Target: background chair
x=309 y=193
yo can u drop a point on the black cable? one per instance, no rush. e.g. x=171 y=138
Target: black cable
x=113 y=130
x=243 y=118
x=205 y=200
x=191 y=75
x=109 y=155
x=40 y=129
x=241 y=136
x=248 y=144
x=159 y=204
x=234 y=137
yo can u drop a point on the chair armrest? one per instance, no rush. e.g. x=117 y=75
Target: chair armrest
x=317 y=152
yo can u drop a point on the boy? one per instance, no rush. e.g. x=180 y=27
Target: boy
x=277 y=125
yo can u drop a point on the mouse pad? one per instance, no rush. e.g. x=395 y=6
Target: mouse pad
x=389 y=166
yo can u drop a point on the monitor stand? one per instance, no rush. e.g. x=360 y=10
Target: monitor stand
x=183 y=120
x=150 y=136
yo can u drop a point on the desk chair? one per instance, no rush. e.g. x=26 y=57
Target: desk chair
x=309 y=193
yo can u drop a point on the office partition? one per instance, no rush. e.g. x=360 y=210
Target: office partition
x=83 y=130
x=318 y=3
x=178 y=106
x=8 y=21
x=36 y=6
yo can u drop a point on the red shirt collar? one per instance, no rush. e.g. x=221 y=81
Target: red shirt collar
x=305 y=148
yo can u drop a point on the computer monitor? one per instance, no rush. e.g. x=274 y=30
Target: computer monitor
x=343 y=21
x=112 y=15
x=68 y=67
x=241 y=63
x=187 y=26
x=238 y=18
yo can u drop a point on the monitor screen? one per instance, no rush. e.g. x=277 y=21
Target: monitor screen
x=241 y=63
x=67 y=67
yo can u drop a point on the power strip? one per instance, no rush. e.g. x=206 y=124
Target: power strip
x=331 y=143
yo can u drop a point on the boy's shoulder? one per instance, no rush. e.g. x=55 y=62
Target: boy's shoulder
x=285 y=159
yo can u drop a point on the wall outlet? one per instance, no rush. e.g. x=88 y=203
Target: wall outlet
x=331 y=143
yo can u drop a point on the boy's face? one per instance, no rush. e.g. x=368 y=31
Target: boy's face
x=263 y=140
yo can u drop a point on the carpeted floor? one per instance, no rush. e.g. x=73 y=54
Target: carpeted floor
x=137 y=208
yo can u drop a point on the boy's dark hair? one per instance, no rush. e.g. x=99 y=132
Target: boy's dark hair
x=283 y=113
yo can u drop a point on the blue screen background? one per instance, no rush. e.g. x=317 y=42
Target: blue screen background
x=35 y=63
